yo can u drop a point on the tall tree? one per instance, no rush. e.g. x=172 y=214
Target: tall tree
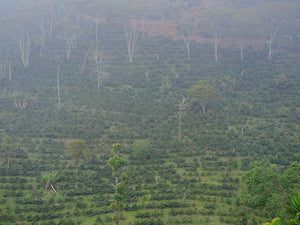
x=217 y=20
x=58 y=62
x=45 y=20
x=71 y=35
x=8 y=146
x=117 y=163
x=244 y=28
x=185 y=25
x=268 y=187
x=49 y=180
x=185 y=29
x=131 y=31
x=132 y=23
x=77 y=149
x=142 y=149
x=202 y=93
x=21 y=30
x=276 y=15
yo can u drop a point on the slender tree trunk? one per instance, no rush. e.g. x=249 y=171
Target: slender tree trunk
x=131 y=36
x=42 y=25
x=23 y=43
x=9 y=71
x=203 y=106
x=188 y=50
x=82 y=67
x=242 y=51
x=184 y=196
x=270 y=50
x=42 y=48
x=97 y=57
x=272 y=37
x=76 y=166
x=117 y=203
x=8 y=159
x=187 y=44
x=216 y=43
x=71 y=40
x=58 y=89
x=179 y=126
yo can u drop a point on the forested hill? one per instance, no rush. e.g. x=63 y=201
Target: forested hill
x=197 y=105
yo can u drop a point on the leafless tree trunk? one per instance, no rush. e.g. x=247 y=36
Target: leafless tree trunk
x=117 y=203
x=97 y=57
x=131 y=35
x=66 y=8
x=185 y=32
x=8 y=159
x=23 y=43
x=58 y=89
x=42 y=25
x=82 y=67
x=179 y=126
x=71 y=40
x=272 y=37
x=187 y=43
x=9 y=70
x=184 y=196
x=203 y=106
x=100 y=59
x=216 y=45
x=242 y=51
x=217 y=29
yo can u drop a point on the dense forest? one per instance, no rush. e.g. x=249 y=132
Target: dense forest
x=149 y=112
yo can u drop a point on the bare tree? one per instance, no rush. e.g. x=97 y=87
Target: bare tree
x=71 y=39
x=9 y=71
x=185 y=25
x=8 y=145
x=243 y=28
x=24 y=44
x=101 y=61
x=131 y=34
x=275 y=15
x=62 y=9
x=185 y=28
x=44 y=15
x=58 y=87
x=42 y=26
x=217 y=19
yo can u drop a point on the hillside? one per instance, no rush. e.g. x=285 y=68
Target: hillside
x=116 y=78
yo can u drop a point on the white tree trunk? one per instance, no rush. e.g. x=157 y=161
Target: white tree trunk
x=187 y=43
x=131 y=35
x=42 y=25
x=272 y=37
x=23 y=43
x=9 y=70
x=71 y=43
x=242 y=51
x=216 y=45
x=58 y=89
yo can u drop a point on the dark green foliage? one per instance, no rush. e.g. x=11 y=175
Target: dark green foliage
x=268 y=187
x=293 y=206
x=195 y=179
x=117 y=163
x=142 y=150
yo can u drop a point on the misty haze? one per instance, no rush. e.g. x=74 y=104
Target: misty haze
x=157 y=112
